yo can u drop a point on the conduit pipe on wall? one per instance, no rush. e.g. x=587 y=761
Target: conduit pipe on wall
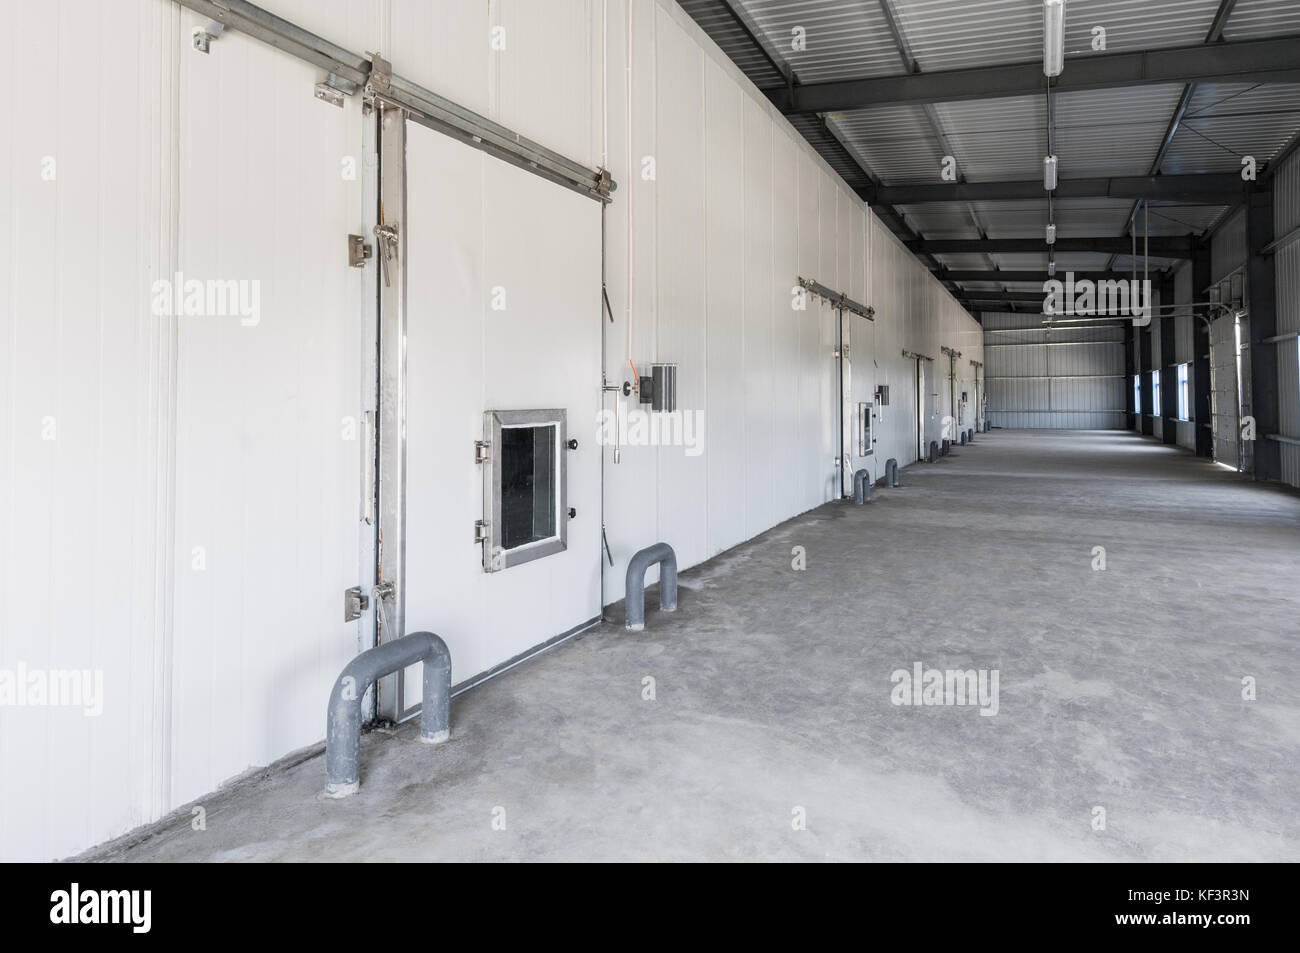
x=634 y=584
x=862 y=486
x=343 y=720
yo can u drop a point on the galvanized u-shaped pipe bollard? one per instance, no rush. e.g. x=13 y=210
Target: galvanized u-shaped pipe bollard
x=662 y=554
x=343 y=721
x=891 y=472
x=962 y=439
x=862 y=487
x=934 y=452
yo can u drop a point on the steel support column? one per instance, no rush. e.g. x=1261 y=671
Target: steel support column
x=1201 y=401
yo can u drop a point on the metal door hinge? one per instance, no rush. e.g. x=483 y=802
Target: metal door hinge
x=482 y=531
x=482 y=451
x=355 y=602
x=358 y=251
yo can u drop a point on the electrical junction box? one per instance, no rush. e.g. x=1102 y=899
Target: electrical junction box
x=659 y=390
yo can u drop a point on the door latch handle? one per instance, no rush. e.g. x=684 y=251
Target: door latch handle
x=386 y=235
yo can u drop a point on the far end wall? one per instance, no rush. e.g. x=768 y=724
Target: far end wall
x=1053 y=378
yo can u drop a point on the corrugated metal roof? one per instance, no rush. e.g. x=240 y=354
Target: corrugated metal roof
x=898 y=142
x=1112 y=132
x=1226 y=121
x=732 y=40
x=1252 y=19
x=844 y=38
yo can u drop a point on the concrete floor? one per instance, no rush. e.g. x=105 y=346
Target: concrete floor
x=1119 y=689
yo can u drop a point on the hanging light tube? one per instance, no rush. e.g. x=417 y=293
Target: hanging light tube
x=1053 y=37
x=1049 y=173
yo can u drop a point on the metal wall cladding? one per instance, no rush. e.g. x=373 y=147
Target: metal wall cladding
x=1228 y=246
x=1053 y=377
x=1286 y=218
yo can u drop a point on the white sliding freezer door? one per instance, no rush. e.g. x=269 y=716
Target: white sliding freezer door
x=503 y=314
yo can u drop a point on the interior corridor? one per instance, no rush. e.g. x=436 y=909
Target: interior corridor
x=1120 y=733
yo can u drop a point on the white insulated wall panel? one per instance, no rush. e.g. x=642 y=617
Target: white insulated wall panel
x=86 y=400
x=681 y=280
x=763 y=302
x=725 y=321
x=268 y=448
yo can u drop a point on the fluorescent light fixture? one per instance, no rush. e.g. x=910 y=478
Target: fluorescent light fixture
x=1053 y=37
x=1049 y=173
x=1051 y=268
x=1051 y=234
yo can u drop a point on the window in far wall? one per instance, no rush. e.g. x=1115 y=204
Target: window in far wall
x=1184 y=392
x=1155 y=393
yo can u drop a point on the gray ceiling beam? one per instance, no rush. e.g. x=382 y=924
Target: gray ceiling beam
x=1009 y=297
x=1159 y=248
x=1272 y=60
x=1028 y=276
x=1018 y=297
x=1211 y=189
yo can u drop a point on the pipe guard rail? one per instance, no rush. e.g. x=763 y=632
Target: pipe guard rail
x=637 y=566
x=891 y=472
x=861 y=487
x=343 y=720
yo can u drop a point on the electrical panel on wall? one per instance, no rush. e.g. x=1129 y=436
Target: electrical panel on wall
x=659 y=390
